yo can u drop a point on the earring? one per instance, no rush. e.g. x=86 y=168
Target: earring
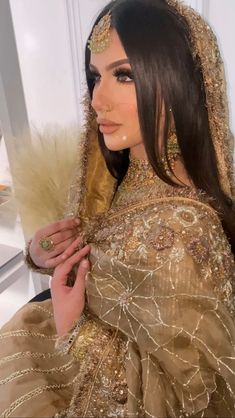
x=173 y=149
x=173 y=152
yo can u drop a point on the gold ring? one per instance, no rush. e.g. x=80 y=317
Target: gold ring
x=47 y=244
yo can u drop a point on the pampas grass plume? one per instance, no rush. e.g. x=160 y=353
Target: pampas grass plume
x=42 y=169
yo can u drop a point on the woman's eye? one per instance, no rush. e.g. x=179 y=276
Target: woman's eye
x=123 y=76
x=94 y=77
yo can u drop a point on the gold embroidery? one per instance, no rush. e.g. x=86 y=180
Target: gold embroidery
x=164 y=238
x=101 y=387
x=34 y=393
x=141 y=185
x=119 y=392
x=142 y=223
x=65 y=343
x=187 y=216
x=198 y=248
x=25 y=333
x=23 y=372
x=38 y=307
x=206 y=54
x=85 y=337
x=27 y=354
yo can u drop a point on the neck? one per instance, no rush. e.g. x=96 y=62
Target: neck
x=138 y=152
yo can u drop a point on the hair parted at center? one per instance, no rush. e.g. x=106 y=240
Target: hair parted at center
x=157 y=42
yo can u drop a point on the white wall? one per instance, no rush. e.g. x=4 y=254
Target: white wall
x=42 y=37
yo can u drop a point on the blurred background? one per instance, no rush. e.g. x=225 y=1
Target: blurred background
x=41 y=83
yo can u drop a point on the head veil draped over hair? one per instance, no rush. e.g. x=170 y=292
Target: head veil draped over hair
x=93 y=187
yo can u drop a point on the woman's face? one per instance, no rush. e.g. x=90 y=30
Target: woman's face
x=114 y=99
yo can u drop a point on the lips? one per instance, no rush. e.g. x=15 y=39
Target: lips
x=107 y=127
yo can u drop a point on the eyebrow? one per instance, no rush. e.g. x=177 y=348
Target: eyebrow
x=112 y=65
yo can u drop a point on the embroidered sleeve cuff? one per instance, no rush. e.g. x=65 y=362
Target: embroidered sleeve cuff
x=32 y=266
x=64 y=344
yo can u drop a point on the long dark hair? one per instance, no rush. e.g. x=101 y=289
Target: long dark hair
x=157 y=42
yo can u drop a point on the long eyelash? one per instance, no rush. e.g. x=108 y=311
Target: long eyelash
x=92 y=75
x=116 y=73
x=123 y=71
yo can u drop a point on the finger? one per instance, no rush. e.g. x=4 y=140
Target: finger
x=64 y=251
x=59 y=246
x=76 y=245
x=62 y=271
x=77 y=256
x=58 y=226
x=50 y=258
x=64 y=235
x=79 y=285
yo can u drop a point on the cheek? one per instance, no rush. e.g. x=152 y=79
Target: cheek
x=131 y=125
x=130 y=122
x=129 y=115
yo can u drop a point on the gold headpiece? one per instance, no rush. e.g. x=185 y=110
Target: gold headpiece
x=100 y=38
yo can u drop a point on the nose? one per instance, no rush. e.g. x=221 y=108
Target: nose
x=100 y=98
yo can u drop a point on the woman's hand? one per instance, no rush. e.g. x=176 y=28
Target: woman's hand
x=68 y=302
x=62 y=234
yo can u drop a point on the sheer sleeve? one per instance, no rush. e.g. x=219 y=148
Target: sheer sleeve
x=186 y=351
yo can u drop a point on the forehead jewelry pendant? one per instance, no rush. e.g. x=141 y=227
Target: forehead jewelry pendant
x=100 y=38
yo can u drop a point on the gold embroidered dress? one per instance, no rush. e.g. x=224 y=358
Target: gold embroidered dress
x=159 y=337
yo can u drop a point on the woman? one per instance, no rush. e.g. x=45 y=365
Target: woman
x=155 y=334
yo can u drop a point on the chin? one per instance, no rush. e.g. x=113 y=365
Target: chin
x=115 y=147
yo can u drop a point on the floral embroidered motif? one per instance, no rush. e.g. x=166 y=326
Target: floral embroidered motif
x=163 y=239
x=186 y=216
x=199 y=250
